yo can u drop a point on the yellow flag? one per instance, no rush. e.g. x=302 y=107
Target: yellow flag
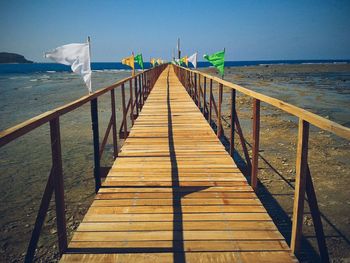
x=185 y=60
x=129 y=61
x=153 y=62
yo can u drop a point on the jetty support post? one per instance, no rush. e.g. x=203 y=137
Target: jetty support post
x=300 y=184
x=131 y=103
x=95 y=134
x=210 y=100
x=255 y=148
x=140 y=92
x=136 y=98
x=232 y=122
x=114 y=126
x=205 y=97
x=57 y=172
x=219 y=127
x=199 y=92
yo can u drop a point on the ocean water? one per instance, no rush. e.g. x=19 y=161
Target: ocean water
x=103 y=66
x=27 y=90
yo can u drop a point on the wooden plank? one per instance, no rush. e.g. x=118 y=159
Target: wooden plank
x=300 y=180
x=255 y=147
x=191 y=257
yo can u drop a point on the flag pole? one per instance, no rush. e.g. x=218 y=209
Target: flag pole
x=89 y=43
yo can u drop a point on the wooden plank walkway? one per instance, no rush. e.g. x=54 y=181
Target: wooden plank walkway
x=175 y=195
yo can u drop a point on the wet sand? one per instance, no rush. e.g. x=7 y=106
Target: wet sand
x=25 y=163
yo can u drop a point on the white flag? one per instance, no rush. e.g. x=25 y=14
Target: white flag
x=193 y=59
x=77 y=56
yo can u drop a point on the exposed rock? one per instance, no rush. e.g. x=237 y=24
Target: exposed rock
x=13 y=58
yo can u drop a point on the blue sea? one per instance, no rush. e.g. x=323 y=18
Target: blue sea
x=98 y=66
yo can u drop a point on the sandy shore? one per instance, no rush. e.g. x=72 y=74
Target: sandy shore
x=329 y=159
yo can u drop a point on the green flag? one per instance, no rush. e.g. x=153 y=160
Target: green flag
x=217 y=59
x=139 y=60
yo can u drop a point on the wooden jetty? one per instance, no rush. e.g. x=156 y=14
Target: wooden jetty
x=174 y=194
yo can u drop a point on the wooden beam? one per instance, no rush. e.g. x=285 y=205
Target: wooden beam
x=219 y=128
x=132 y=103
x=114 y=125
x=96 y=142
x=243 y=143
x=57 y=173
x=40 y=218
x=299 y=193
x=255 y=148
x=310 y=117
x=232 y=122
x=124 y=111
x=210 y=100
x=205 y=98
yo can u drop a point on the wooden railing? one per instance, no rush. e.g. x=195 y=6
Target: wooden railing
x=143 y=83
x=191 y=79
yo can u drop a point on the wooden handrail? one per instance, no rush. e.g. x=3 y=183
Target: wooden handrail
x=303 y=182
x=308 y=116
x=55 y=180
x=22 y=128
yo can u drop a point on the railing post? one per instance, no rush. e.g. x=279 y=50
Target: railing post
x=199 y=92
x=58 y=184
x=114 y=126
x=219 y=128
x=95 y=134
x=136 y=97
x=232 y=122
x=140 y=92
x=205 y=97
x=124 y=111
x=300 y=180
x=255 y=148
x=131 y=103
x=210 y=100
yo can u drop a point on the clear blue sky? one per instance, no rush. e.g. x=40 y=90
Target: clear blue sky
x=249 y=30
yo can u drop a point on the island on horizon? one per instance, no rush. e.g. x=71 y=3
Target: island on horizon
x=6 y=57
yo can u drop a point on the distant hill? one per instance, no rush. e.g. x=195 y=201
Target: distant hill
x=12 y=58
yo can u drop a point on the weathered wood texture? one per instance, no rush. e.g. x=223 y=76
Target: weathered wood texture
x=175 y=195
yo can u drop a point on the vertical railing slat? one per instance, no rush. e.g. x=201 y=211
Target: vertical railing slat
x=131 y=103
x=232 y=122
x=219 y=127
x=255 y=147
x=124 y=112
x=300 y=180
x=114 y=126
x=210 y=100
x=57 y=173
x=205 y=97
x=95 y=135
